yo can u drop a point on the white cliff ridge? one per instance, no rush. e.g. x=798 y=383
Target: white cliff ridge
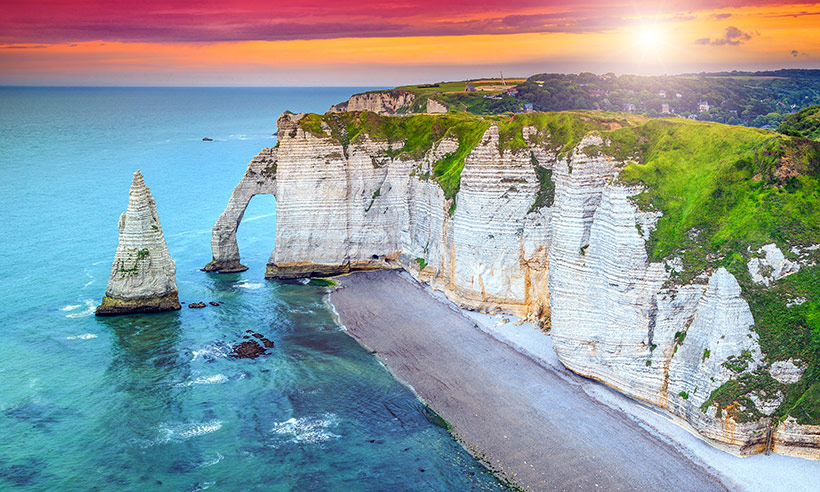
x=143 y=275
x=546 y=233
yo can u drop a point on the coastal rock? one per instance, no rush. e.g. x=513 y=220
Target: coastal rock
x=143 y=275
x=387 y=103
x=786 y=371
x=259 y=178
x=247 y=350
x=545 y=233
x=434 y=106
x=773 y=266
x=196 y=305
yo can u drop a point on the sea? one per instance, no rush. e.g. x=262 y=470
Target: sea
x=153 y=402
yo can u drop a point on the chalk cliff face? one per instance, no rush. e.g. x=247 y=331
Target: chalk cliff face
x=548 y=233
x=143 y=276
x=387 y=103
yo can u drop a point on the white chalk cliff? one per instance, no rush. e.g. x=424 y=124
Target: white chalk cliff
x=575 y=260
x=143 y=275
x=388 y=103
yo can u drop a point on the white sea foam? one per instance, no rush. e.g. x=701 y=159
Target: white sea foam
x=309 y=430
x=250 y=285
x=217 y=379
x=211 y=352
x=185 y=431
x=84 y=336
x=212 y=461
x=259 y=217
x=90 y=307
x=304 y=281
x=70 y=307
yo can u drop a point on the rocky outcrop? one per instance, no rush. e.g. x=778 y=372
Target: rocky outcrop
x=143 y=276
x=434 y=106
x=259 y=178
x=545 y=232
x=387 y=103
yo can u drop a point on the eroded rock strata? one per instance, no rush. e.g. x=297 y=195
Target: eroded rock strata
x=537 y=215
x=143 y=275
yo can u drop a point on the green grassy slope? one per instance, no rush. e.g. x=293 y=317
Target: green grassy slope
x=805 y=123
x=724 y=192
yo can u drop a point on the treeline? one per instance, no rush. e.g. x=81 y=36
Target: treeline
x=759 y=99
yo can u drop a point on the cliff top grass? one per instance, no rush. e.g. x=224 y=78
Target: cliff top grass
x=414 y=135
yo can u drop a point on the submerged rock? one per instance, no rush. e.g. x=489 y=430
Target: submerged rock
x=251 y=349
x=247 y=350
x=196 y=305
x=143 y=275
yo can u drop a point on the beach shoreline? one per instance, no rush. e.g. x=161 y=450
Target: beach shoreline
x=528 y=420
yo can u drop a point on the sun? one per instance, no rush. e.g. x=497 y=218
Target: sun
x=649 y=38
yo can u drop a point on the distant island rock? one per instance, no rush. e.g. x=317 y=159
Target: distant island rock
x=143 y=275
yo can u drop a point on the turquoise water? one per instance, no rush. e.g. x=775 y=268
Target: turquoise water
x=151 y=402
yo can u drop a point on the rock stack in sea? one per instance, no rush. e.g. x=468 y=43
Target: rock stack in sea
x=143 y=276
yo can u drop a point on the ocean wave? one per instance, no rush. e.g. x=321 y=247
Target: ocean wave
x=259 y=217
x=212 y=461
x=88 y=274
x=308 y=430
x=216 y=351
x=250 y=285
x=70 y=307
x=217 y=379
x=90 y=307
x=84 y=336
x=184 y=431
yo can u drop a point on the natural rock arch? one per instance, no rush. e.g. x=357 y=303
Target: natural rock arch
x=259 y=179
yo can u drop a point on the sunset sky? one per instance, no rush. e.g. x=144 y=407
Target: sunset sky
x=343 y=42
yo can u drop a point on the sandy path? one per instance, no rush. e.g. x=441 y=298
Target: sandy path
x=540 y=430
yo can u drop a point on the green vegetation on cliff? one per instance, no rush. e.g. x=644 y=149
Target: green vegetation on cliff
x=724 y=193
x=805 y=123
x=410 y=136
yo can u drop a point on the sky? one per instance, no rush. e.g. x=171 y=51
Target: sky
x=370 y=43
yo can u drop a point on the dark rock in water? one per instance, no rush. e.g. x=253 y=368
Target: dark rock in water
x=212 y=303
x=247 y=350
x=196 y=305
x=257 y=335
x=206 y=139
x=267 y=343
x=246 y=337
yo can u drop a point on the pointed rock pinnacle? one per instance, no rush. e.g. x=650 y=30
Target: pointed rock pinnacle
x=143 y=276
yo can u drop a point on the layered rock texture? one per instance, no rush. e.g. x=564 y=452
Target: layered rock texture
x=570 y=219
x=386 y=103
x=143 y=276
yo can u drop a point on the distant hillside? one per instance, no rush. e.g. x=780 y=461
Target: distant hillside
x=758 y=99
x=805 y=123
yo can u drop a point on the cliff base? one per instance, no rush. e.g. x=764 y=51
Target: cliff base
x=112 y=306
x=230 y=266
